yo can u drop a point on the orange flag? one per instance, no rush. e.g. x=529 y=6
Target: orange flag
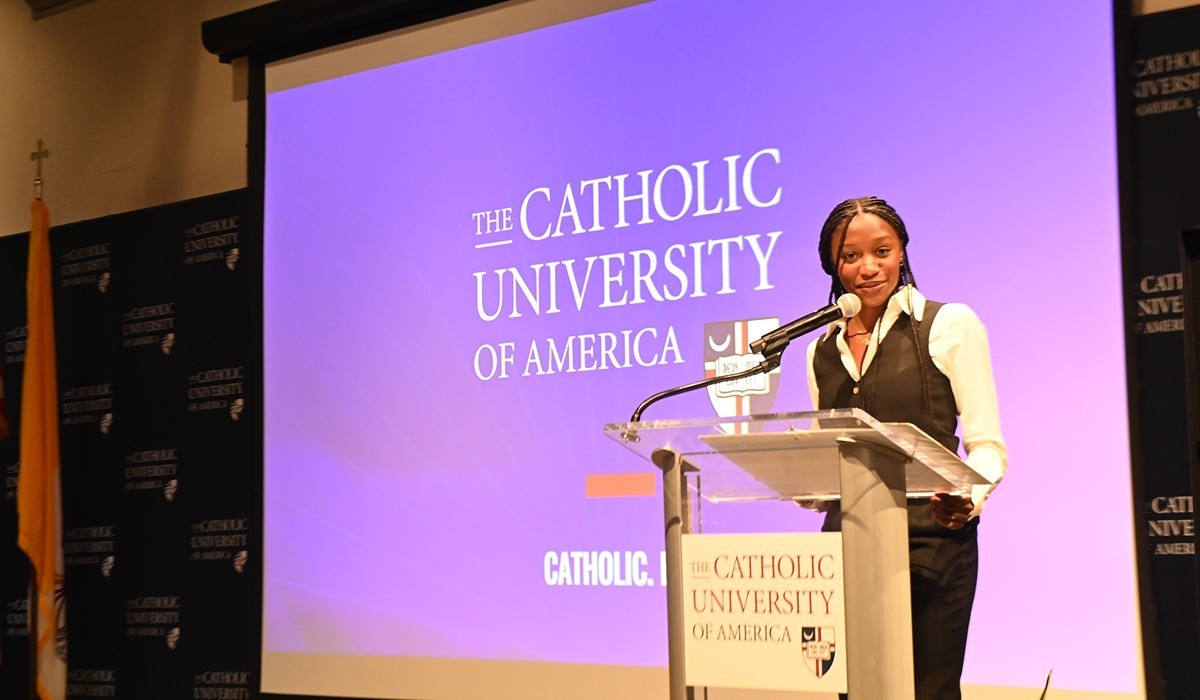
x=39 y=513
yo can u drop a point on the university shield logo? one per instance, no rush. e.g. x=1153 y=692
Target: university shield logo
x=727 y=351
x=817 y=646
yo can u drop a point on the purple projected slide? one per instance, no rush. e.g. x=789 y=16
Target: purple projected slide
x=477 y=259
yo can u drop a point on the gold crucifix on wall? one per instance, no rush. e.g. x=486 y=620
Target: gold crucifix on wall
x=39 y=155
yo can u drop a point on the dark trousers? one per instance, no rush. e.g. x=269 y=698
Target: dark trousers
x=944 y=566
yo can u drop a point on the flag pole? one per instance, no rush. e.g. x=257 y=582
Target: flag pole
x=37 y=156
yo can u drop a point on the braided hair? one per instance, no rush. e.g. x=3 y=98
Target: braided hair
x=838 y=223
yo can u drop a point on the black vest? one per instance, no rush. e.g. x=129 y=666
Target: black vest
x=891 y=389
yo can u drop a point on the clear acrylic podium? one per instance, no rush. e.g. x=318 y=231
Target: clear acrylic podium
x=844 y=454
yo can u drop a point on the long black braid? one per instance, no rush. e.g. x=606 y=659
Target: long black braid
x=839 y=221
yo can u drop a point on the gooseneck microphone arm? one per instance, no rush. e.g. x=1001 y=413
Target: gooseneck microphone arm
x=765 y=366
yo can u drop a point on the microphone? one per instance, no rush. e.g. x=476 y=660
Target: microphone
x=776 y=341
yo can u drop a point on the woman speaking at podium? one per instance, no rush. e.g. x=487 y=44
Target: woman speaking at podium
x=907 y=359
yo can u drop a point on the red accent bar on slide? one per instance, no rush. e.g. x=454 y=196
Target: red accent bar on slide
x=620 y=485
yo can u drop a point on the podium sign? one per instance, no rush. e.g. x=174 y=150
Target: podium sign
x=764 y=611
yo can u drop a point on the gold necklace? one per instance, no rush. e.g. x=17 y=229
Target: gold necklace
x=866 y=340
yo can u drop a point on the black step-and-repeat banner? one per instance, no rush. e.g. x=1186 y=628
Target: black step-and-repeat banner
x=158 y=322
x=1161 y=164
x=14 y=568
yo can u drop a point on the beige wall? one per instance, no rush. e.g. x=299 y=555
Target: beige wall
x=132 y=108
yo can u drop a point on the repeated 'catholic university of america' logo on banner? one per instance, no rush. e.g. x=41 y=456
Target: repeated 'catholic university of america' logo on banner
x=727 y=351
x=817 y=646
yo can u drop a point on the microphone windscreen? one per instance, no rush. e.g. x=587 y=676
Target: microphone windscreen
x=850 y=304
